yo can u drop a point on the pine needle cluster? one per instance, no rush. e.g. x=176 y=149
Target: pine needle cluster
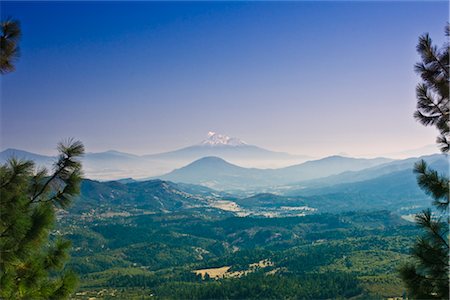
x=9 y=50
x=31 y=261
x=427 y=276
x=433 y=92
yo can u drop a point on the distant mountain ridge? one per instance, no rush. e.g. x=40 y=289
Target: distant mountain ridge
x=396 y=190
x=114 y=164
x=438 y=162
x=395 y=187
x=206 y=164
x=217 y=173
x=101 y=165
x=21 y=154
x=228 y=148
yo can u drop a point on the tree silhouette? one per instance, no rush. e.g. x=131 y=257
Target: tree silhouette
x=9 y=50
x=427 y=276
x=32 y=262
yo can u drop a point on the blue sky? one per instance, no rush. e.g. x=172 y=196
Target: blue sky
x=311 y=78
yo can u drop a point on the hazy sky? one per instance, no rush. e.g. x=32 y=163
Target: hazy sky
x=311 y=78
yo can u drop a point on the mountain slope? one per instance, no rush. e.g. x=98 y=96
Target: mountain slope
x=230 y=149
x=219 y=174
x=396 y=191
x=106 y=165
x=215 y=172
x=327 y=166
x=265 y=200
x=40 y=160
x=438 y=162
x=152 y=195
x=110 y=165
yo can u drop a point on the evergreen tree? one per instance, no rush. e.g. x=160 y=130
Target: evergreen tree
x=9 y=50
x=32 y=260
x=427 y=277
x=433 y=92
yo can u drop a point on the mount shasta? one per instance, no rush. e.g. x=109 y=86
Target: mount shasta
x=115 y=165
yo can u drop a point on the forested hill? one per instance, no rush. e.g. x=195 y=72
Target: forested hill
x=168 y=255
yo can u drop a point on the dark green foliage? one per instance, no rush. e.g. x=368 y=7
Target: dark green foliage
x=262 y=286
x=9 y=51
x=427 y=276
x=433 y=184
x=433 y=107
x=156 y=254
x=31 y=262
x=144 y=195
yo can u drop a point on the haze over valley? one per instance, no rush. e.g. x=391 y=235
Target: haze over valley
x=210 y=171
x=114 y=165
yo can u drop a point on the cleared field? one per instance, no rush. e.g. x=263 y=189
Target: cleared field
x=223 y=272
x=226 y=205
x=213 y=272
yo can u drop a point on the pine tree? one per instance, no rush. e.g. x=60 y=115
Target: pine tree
x=9 y=50
x=31 y=261
x=428 y=276
x=433 y=92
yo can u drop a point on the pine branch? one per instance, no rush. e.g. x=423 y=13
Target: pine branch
x=425 y=47
x=425 y=220
x=69 y=150
x=433 y=184
x=47 y=183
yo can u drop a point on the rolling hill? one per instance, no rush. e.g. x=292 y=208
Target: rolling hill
x=219 y=174
x=437 y=162
x=152 y=195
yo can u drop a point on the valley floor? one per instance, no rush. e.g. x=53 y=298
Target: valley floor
x=206 y=254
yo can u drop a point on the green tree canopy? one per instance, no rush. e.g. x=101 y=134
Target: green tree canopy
x=427 y=276
x=433 y=92
x=32 y=258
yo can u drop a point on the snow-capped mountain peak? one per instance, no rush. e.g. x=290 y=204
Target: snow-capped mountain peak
x=216 y=139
